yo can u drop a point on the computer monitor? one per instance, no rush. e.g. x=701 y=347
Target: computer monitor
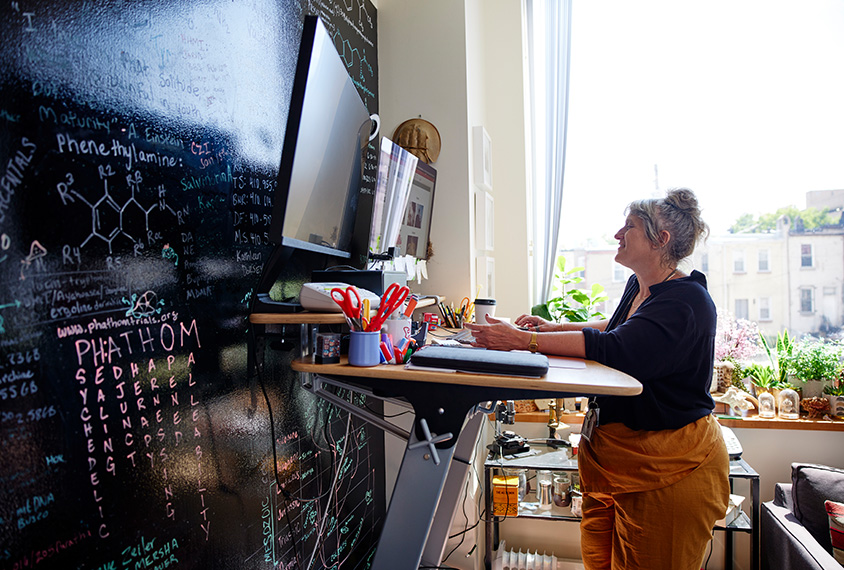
x=328 y=126
x=320 y=175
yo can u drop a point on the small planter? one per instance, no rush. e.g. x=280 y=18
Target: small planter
x=836 y=405
x=814 y=388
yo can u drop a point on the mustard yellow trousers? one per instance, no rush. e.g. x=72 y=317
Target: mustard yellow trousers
x=662 y=529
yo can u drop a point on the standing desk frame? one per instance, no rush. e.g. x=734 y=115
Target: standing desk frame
x=448 y=415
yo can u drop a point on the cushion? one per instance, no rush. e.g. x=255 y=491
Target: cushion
x=812 y=485
x=836 y=529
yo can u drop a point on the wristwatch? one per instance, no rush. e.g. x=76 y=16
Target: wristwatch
x=533 y=346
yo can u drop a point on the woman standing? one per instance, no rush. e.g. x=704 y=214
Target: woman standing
x=654 y=471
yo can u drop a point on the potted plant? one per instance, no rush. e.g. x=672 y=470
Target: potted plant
x=835 y=395
x=735 y=342
x=763 y=377
x=573 y=305
x=817 y=364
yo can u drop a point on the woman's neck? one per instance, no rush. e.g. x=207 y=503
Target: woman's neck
x=655 y=275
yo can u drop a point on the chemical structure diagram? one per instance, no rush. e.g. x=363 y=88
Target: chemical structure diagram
x=113 y=216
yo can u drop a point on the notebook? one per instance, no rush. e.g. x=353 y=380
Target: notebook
x=482 y=361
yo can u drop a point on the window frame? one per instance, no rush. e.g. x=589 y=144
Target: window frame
x=764 y=304
x=810 y=292
x=739 y=259
x=767 y=259
x=744 y=312
x=803 y=256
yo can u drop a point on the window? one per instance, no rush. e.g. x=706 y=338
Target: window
x=806 y=255
x=763 y=262
x=738 y=261
x=621 y=82
x=618 y=273
x=765 y=308
x=742 y=309
x=807 y=300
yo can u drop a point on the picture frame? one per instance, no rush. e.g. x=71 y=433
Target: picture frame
x=484 y=221
x=415 y=231
x=482 y=158
x=485 y=275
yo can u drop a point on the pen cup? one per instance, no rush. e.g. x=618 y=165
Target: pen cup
x=364 y=348
x=397 y=328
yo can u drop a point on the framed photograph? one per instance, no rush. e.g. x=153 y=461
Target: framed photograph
x=484 y=221
x=485 y=268
x=416 y=223
x=482 y=158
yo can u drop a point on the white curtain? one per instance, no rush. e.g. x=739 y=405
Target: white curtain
x=549 y=47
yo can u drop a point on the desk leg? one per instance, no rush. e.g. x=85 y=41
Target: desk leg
x=453 y=491
x=413 y=506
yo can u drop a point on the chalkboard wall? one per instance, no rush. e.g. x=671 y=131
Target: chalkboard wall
x=139 y=149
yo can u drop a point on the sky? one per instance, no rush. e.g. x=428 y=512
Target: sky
x=742 y=101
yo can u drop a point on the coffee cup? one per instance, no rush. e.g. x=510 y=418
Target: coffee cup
x=484 y=307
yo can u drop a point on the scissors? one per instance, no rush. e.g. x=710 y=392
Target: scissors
x=349 y=301
x=465 y=307
x=391 y=300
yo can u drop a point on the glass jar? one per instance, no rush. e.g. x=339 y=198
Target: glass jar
x=561 y=489
x=522 y=475
x=789 y=405
x=767 y=405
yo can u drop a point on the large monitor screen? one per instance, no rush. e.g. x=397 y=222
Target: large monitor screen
x=320 y=174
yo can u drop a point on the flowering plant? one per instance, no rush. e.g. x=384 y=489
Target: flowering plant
x=736 y=340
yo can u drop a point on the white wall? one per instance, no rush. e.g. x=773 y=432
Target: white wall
x=422 y=71
x=458 y=64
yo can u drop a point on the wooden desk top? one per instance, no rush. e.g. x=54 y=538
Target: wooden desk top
x=594 y=379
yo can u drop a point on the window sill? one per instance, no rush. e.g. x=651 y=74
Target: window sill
x=750 y=422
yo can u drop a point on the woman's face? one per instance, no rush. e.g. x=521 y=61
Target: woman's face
x=633 y=244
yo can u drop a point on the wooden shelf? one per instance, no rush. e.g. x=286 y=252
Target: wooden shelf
x=311 y=318
x=750 y=422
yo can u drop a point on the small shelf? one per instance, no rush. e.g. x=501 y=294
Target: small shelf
x=558 y=460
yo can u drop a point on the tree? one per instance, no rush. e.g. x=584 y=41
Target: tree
x=811 y=218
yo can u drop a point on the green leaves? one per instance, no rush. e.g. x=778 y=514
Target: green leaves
x=762 y=375
x=816 y=360
x=573 y=305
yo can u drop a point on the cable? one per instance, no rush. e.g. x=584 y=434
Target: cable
x=385 y=415
x=331 y=492
x=711 y=543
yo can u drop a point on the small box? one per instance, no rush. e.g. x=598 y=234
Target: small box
x=432 y=320
x=505 y=496
x=733 y=512
x=327 y=348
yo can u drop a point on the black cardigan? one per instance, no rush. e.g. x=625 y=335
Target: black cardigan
x=668 y=344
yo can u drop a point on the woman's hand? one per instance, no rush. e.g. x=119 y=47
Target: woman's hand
x=534 y=322
x=498 y=335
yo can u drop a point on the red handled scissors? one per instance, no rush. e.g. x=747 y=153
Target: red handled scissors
x=349 y=301
x=391 y=300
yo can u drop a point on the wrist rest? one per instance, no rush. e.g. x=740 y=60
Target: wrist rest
x=483 y=361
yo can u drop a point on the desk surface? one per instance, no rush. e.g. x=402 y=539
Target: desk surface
x=594 y=379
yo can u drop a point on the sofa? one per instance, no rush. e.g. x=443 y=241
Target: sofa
x=794 y=527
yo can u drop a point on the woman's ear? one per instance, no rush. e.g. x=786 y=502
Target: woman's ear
x=664 y=238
